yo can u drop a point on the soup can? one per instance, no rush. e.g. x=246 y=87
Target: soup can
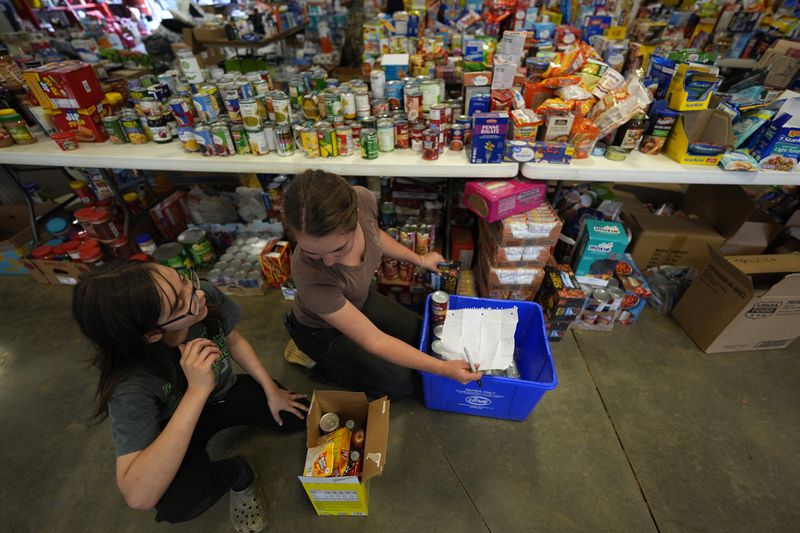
x=440 y=301
x=188 y=139
x=356 y=128
x=344 y=140
x=327 y=142
x=199 y=248
x=232 y=106
x=173 y=255
x=310 y=142
x=417 y=136
x=430 y=145
x=205 y=141
x=116 y=133
x=250 y=113
x=455 y=135
x=394 y=94
x=133 y=128
x=369 y=143
x=285 y=140
x=223 y=142
x=240 y=141
x=258 y=142
x=402 y=134
x=385 y=135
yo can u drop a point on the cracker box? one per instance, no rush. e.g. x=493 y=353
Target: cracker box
x=488 y=137
x=599 y=248
x=87 y=124
x=64 y=85
x=276 y=263
x=779 y=146
x=497 y=199
x=524 y=125
x=348 y=495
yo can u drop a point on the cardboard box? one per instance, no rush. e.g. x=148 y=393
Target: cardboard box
x=169 y=215
x=692 y=86
x=743 y=303
x=87 y=124
x=782 y=62
x=556 y=128
x=498 y=199
x=561 y=297
x=700 y=137
x=510 y=256
x=662 y=240
x=538 y=151
x=462 y=246
x=348 y=496
x=537 y=227
x=209 y=33
x=54 y=272
x=524 y=125
x=636 y=288
x=507 y=283
x=64 y=85
x=276 y=263
x=16 y=238
x=600 y=245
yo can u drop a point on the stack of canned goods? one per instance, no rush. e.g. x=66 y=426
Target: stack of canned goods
x=223 y=114
x=240 y=265
x=417 y=237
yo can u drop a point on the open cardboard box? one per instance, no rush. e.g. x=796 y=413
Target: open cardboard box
x=710 y=127
x=348 y=495
x=738 y=303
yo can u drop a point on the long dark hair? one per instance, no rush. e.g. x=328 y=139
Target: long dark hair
x=319 y=203
x=115 y=306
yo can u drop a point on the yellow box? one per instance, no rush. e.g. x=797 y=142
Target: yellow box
x=616 y=33
x=680 y=99
x=709 y=127
x=347 y=495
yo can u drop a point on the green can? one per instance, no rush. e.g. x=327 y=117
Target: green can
x=172 y=255
x=114 y=128
x=369 y=144
x=327 y=142
x=240 y=139
x=196 y=243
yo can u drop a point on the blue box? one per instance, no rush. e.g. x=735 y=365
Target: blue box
x=506 y=398
x=488 y=137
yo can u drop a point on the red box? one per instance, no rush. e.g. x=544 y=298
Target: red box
x=64 y=85
x=87 y=124
x=169 y=215
x=276 y=263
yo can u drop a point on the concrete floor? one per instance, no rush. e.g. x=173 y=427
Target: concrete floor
x=643 y=433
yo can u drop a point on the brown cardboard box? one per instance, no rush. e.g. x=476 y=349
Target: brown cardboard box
x=348 y=495
x=782 y=62
x=55 y=272
x=16 y=237
x=663 y=240
x=743 y=303
x=209 y=33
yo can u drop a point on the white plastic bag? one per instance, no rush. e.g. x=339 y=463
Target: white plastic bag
x=251 y=204
x=207 y=206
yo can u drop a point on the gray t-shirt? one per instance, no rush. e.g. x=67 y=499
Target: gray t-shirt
x=142 y=402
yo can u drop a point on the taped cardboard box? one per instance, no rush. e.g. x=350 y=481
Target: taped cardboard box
x=740 y=303
x=348 y=496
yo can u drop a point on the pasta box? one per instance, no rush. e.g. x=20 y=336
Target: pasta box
x=488 y=137
x=497 y=199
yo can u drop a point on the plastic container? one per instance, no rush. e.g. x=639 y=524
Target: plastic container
x=81 y=189
x=146 y=244
x=91 y=255
x=500 y=397
x=58 y=227
x=71 y=247
x=42 y=252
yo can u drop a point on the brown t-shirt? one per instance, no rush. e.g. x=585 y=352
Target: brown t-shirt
x=321 y=289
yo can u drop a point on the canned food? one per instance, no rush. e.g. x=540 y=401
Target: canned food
x=402 y=134
x=440 y=300
x=271 y=135
x=231 y=101
x=377 y=80
x=281 y=108
x=183 y=113
x=362 y=103
x=239 y=137
x=394 y=94
x=149 y=106
x=348 y=99
x=133 y=128
x=116 y=133
x=206 y=107
x=430 y=145
x=356 y=128
x=310 y=142
x=285 y=140
x=369 y=122
x=196 y=243
x=417 y=136
x=329 y=422
x=413 y=104
x=430 y=94
x=436 y=115
x=333 y=107
x=391 y=269
x=327 y=142
x=369 y=143
x=223 y=142
x=438 y=331
x=344 y=140
x=205 y=141
x=258 y=141
x=159 y=130
x=385 y=135
x=172 y=254
x=310 y=107
x=455 y=135
x=467 y=123
x=437 y=348
x=598 y=300
x=251 y=116
x=188 y=139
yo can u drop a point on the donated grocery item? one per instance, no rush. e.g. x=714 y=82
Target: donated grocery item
x=659 y=124
x=738 y=161
x=331 y=456
x=778 y=149
x=524 y=125
x=276 y=260
x=329 y=422
x=538 y=151
x=439 y=302
x=64 y=85
x=637 y=291
x=692 y=86
x=16 y=127
x=488 y=137
x=557 y=127
x=495 y=200
x=86 y=124
x=598 y=249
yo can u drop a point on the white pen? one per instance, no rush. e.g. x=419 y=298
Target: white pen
x=472 y=367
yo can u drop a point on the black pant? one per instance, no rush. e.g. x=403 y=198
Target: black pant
x=200 y=482
x=351 y=366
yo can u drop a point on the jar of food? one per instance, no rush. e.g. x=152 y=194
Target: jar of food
x=81 y=189
x=84 y=218
x=146 y=244
x=103 y=226
x=142 y=258
x=60 y=252
x=5 y=138
x=121 y=247
x=71 y=247
x=16 y=127
x=59 y=227
x=133 y=203
x=91 y=255
x=42 y=253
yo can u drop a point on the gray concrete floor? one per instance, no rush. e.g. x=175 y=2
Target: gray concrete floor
x=643 y=433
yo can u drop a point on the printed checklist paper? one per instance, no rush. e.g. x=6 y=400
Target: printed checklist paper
x=488 y=335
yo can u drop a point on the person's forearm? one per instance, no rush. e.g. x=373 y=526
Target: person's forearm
x=245 y=355
x=398 y=352
x=152 y=471
x=394 y=250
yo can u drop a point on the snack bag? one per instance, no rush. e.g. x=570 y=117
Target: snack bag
x=330 y=457
x=583 y=137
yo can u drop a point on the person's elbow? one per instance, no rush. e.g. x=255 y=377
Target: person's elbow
x=136 y=499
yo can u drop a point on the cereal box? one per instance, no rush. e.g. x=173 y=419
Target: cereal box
x=488 y=137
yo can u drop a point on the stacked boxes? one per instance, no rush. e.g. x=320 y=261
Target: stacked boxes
x=70 y=94
x=513 y=253
x=561 y=298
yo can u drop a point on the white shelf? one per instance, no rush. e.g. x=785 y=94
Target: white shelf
x=171 y=157
x=640 y=168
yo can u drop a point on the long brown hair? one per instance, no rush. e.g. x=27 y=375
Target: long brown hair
x=319 y=203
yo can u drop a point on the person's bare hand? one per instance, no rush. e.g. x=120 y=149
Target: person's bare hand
x=460 y=371
x=197 y=357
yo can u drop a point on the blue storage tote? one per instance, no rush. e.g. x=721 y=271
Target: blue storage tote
x=512 y=399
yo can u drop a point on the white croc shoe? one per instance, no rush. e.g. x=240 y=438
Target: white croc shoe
x=249 y=509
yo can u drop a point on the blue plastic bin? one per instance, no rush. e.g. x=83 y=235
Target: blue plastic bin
x=511 y=399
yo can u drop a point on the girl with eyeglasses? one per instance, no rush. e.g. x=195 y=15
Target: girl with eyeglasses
x=358 y=338
x=164 y=344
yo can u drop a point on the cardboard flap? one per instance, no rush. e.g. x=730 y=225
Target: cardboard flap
x=694 y=123
x=377 y=438
x=724 y=207
x=788 y=286
x=347 y=405
x=766 y=264
x=734 y=273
